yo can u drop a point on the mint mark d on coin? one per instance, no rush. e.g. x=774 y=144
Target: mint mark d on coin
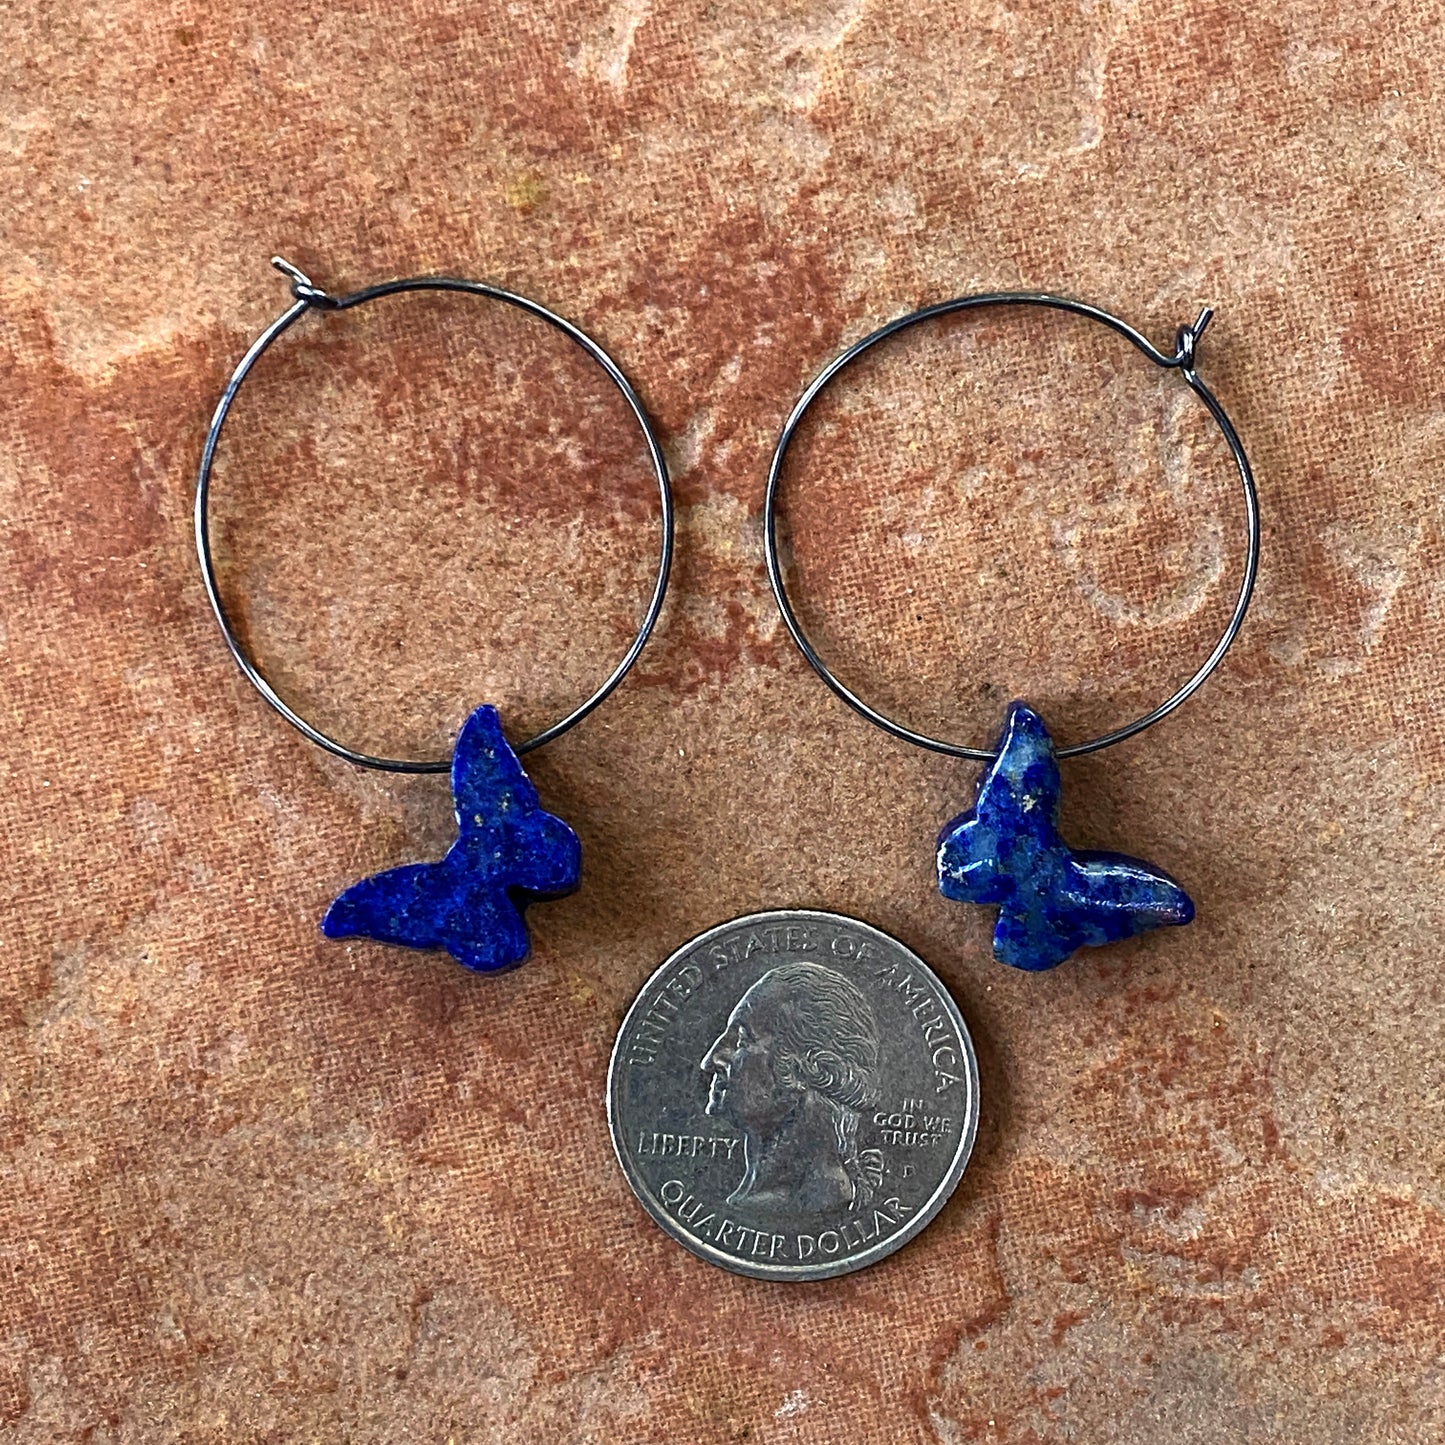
x=793 y=1095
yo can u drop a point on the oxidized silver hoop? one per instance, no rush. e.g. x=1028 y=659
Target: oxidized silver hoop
x=1181 y=360
x=308 y=297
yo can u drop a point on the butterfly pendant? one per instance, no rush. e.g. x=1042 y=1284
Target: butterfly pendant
x=1051 y=900
x=508 y=853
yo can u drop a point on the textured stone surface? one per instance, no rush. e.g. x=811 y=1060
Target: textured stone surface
x=1049 y=900
x=258 y=1187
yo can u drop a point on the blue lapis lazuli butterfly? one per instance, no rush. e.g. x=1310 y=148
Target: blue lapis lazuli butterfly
x=1051 y=899
x=509 y=853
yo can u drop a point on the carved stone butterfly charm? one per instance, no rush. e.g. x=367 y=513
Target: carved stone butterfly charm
x=1051 y=899
x=509 y=853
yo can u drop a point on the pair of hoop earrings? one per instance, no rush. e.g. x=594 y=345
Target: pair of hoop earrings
x=1005 y=852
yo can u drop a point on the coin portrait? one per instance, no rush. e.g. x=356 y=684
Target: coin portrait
x=793 y=1095
x=792 y=1071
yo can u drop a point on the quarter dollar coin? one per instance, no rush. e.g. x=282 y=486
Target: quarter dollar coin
x=793 y=1095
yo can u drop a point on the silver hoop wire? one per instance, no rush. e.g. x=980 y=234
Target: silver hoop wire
x=1182 y=361
x=308 y=297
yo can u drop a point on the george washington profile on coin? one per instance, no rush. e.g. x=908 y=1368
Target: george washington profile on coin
x=794 y=1069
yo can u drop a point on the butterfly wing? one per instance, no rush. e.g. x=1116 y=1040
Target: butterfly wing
x=1117 y=897
x=489 y=786
x=1018 y=793
x=1096 y=898
x=434 y=905
x=503 y=826
x=968 y=863
x=1009 y=840
x=546 y=857
x=399 y=906
x=484 y=927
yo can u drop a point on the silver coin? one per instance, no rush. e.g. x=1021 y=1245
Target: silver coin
x=793 y=1095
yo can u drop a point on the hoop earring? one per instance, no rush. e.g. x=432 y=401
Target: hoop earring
x=1006 y=851
x=509 y=852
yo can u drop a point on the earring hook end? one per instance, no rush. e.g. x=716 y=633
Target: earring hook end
x=1188 y=339
x=302 y=287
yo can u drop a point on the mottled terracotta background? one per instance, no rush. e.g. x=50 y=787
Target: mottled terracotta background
x=259 y=1187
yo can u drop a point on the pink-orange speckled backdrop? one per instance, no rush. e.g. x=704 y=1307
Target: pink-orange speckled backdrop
x=258 y=1187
